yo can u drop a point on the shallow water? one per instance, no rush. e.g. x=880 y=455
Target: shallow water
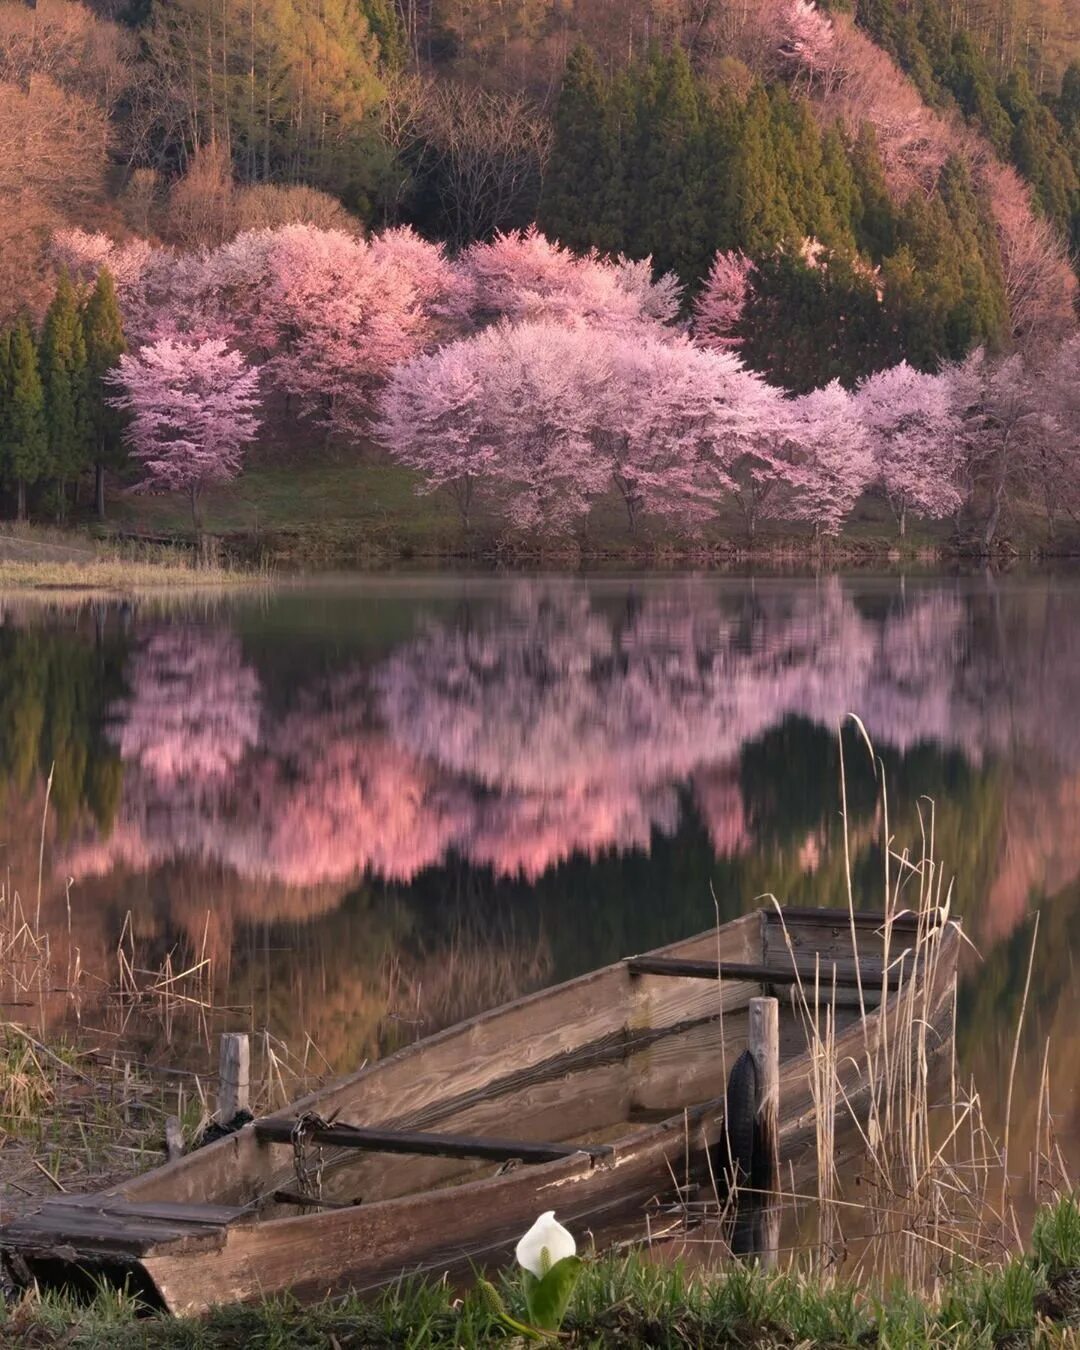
x=374 y=806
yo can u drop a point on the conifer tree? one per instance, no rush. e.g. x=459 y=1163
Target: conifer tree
x=577 y=179
x=760 y=209
x=671 y=185
x=838 y=180
x=29 y=459
x=64 y=378
x=103 y=333
x=874 y=219
x=798 y=153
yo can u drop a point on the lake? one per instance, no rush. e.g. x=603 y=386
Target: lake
x=350 y=812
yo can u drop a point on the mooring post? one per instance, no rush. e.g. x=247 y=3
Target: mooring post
x=764 y=1047
x=234 y=1075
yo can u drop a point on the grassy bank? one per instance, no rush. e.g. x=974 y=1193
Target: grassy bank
x=625 y=1302
x=52 y=562
x=330 y=507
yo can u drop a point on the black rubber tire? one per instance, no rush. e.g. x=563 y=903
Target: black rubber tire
x=736 y=1150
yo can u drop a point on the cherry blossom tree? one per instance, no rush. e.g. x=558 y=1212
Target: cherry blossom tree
x=520 y=404
x=720 y=304
x=433 y=420
x=1017 y=435
x=523 y=276
x=764 y=472
x=676 y=418
x=194 y=407
x=912 y=422
x=832 y=462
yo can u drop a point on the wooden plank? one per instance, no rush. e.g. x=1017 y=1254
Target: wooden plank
x=167 y=1211
x=774 y=973
x=840 y=918
x=278 y=1131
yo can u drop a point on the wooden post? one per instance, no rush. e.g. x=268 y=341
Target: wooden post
x=234 y=1075
x=764 y=1047
x=174 y=1138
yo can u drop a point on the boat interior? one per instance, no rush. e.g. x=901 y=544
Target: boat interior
x=596 y=1064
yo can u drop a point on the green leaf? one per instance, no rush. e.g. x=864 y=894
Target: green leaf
x=548 y=1299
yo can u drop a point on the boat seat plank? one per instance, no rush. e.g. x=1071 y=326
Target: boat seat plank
x=275 y=1130
x=869 y=973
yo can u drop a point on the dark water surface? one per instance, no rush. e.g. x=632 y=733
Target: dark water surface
x=376 y=806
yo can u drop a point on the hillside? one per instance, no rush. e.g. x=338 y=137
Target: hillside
x=851 y=192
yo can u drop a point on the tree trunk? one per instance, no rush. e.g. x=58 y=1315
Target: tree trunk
x=20 y=510
x=99 y=489
x=902 y=521
x=992 y=521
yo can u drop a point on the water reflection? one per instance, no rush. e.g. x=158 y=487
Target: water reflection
x=384 y=807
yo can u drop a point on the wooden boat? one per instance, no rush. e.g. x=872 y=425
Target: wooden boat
x=587 y=1098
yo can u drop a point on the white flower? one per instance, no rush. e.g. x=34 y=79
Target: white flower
x=546 y=1235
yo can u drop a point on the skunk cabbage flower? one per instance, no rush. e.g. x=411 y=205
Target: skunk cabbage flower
x=545 y=1244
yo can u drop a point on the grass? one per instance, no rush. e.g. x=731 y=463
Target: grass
x=622 y=1302
x=327 y=506
x=51 y=562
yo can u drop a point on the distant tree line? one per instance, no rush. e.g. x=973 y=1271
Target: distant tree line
x=55 y=419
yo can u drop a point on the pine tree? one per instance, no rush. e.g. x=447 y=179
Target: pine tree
x=799 y=164
x=578 y=173
x=29 y=435
x=760 y=209
x=838 y=181
x=874 y=218
x=671 y=187
x=103 y=333
x=64 y=378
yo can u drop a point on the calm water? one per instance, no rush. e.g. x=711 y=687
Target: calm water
x=377 y=806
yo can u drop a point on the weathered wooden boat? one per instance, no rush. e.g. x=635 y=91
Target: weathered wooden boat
x=586 y=1098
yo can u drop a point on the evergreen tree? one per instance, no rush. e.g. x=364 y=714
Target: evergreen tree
x=797 y=144
x=969 y=80
x=29 y=459
x=721 y=132
x=874 y=219
x=804 y=325
x=64 y=377
x=386 y=25
x=578 y=177
x=760 y=210
x=671 y=190
x=841 y=188
x=103 y=333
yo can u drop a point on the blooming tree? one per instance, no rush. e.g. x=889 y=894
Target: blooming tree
x=432 y=419
x=675 y=420
x=720 y=305
x=519 y=403
x=832 y=462
x=194 y=407
x=912 y=423
x=523 y=276
x=1018 y=432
